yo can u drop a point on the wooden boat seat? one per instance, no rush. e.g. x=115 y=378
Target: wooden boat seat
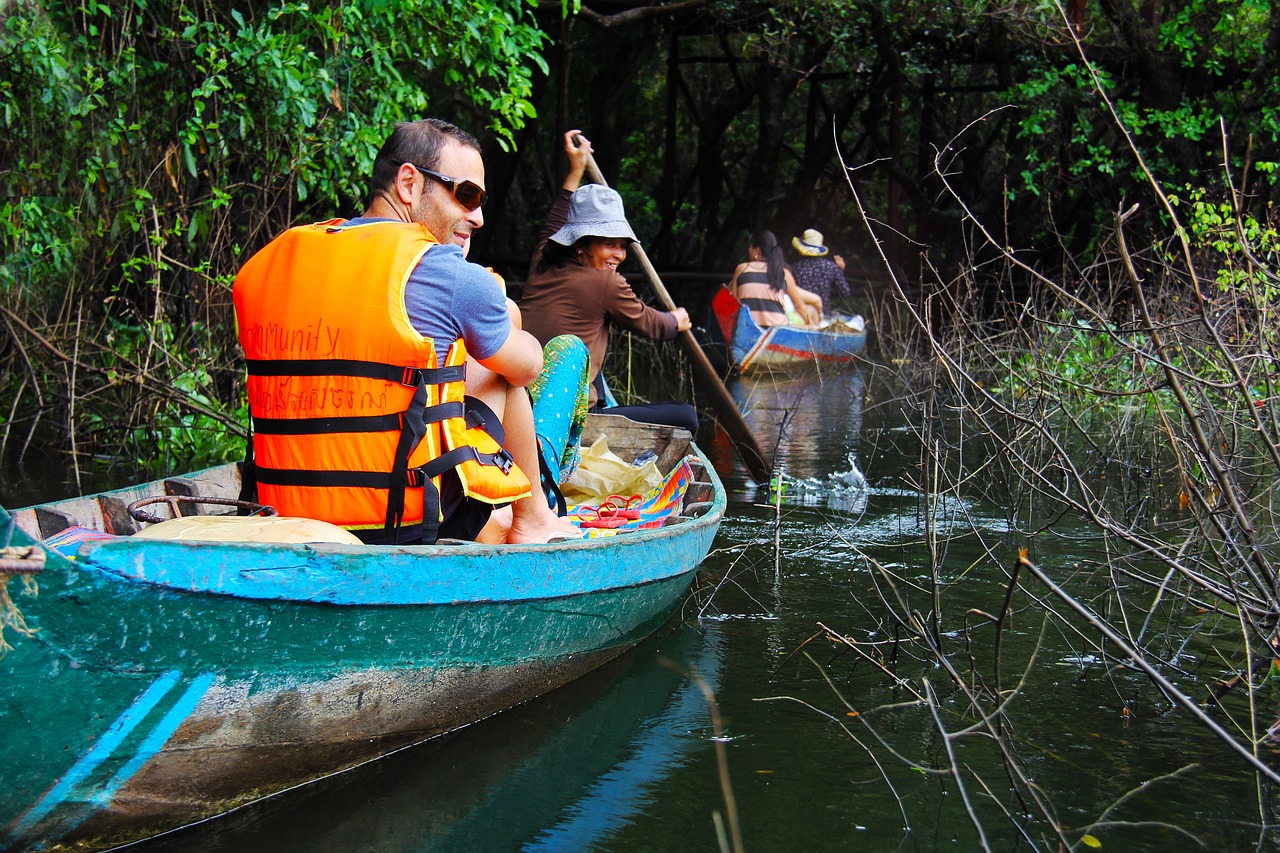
x=248 y=528
x=221 y=482
x=693 y=510
x=109 y=512
x=50 y=520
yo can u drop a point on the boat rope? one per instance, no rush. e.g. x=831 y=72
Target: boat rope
x=25 y=562
x=20 y=560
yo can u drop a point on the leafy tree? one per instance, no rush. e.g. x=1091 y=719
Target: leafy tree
x=147 y=146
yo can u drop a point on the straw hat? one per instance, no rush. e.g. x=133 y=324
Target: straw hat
x=810 y=243
x=594 y=211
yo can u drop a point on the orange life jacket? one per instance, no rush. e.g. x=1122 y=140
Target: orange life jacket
x=354 y=418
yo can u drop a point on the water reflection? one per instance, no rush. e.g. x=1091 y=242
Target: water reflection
x=622 y=760
x=812 y=424
x=561 y=773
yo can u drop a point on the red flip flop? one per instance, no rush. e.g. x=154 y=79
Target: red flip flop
x=622 y=506
x=604 y=516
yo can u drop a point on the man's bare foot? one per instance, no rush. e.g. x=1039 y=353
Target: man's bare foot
x=496 y=528
x=535 y=523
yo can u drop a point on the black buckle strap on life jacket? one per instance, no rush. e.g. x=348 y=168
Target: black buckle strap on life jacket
x=480 y=415
x=323 y=479
x=407 y=376
x=248 y=477
x=502 y=459
x=317 y=426
x=442 y=412
x=354 y=423
x=430 y=513
x=412 y=428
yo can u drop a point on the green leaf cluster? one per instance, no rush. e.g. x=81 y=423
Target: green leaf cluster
x=147 y=145
x=1092 y=368
x=1201 y=77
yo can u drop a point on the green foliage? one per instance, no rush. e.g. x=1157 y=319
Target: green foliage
x=128 y=110
x=1195 y=83
x=146 y=145
x=1241 y=252
x=1090 y=367
x=176 y=437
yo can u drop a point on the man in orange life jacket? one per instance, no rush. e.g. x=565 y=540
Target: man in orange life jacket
x=363 y=335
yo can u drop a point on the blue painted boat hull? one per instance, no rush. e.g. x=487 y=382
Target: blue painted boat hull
x=780 y=348
x=167 y=682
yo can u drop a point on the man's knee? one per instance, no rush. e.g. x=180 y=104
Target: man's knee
x=487 y=386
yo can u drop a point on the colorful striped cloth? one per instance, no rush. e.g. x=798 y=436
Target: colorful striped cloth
x=659 y=504
x=67 y=542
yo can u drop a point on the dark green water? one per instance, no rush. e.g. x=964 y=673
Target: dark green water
x=625 y=759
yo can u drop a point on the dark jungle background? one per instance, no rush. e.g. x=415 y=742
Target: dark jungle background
x=147 y=148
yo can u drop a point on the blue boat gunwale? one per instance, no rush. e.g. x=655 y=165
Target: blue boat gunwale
x=373 y=575
x=410 y=574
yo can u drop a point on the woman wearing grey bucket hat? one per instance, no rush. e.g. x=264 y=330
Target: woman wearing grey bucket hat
x=574 y=287
x=594 y=211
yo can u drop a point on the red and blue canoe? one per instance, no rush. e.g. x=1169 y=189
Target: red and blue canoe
x=782 y=348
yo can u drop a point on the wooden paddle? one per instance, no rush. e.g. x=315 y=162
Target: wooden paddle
x=722 y=401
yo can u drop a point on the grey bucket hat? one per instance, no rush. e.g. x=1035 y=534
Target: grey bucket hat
x=594 y=211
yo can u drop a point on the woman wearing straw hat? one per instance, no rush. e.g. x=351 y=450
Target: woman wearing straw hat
x=815 y=272
x=574 y=287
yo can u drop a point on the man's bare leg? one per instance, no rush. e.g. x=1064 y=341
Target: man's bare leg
x=497 y=528
x=530 y=520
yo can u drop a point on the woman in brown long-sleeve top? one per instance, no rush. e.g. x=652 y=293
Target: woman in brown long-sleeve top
x=574 y=287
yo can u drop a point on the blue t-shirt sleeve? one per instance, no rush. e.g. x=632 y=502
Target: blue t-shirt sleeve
x=448 y=298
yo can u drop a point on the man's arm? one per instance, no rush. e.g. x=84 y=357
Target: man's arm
x=519 y=360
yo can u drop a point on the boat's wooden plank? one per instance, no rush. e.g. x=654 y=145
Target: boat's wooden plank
x=629 y=439
x=698 y=493
x=698 y=509
x=82 y=512
x=27 y=522
x=115 y=516
x=220 y=482
x=114 y=507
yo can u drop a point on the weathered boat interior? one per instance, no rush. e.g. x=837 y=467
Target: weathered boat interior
x=197 y=493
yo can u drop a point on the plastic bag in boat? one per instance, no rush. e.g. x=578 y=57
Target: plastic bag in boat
x=602 y=473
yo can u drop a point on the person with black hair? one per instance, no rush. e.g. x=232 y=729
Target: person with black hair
x=764 y=284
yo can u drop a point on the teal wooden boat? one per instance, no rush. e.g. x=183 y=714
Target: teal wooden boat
x=160 y=683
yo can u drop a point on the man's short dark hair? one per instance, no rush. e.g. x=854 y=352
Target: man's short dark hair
x=418 y=142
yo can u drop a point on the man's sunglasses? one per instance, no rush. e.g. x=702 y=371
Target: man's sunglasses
x=468 y=194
